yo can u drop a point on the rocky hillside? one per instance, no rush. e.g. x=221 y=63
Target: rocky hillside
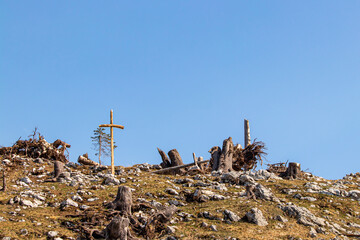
x=235 y=205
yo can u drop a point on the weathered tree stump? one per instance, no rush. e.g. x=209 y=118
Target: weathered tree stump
x=176 y=160
x=215 y=157
x=293 y=171
x=123 y=200
x=226 y=157
x=165 y=160
x=118 y=229
x=58 y=168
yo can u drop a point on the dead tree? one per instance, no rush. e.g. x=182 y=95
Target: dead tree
x=175 y=160
x=165 y=160
x=293 y=171
x=4 y=181
x=118 y=229
x=215 y=157
x=123 y=201
x=58 y=168
x=157 y=221
x=226 y=158
x=247 y=139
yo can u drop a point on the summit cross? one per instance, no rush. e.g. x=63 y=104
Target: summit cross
x=111 y=126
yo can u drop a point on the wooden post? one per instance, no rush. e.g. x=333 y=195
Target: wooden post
x=112 y=143
x=247 y=133
x=111 y=126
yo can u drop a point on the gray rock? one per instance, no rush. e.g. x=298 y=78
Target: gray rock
x=26 y=180
x=171 y=191
x=68 y=202
x=303 y=215
x=256 y=216
x=213 y=228
x=246 y=179
x=27 y=203
x=229 y=215
x=230 y=177
x=170 y=230
x=312 y=232
x=264 y=193
x=52 y=234
x=280 y=218
x=24 y=232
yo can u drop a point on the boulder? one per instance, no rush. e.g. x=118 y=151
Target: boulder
x=256 y=216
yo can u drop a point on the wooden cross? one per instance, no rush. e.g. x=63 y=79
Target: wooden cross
x=111 y=126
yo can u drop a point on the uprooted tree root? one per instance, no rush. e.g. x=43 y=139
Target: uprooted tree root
x=232 y=157
x=150 y=224
x=249 y=157
x=38 y=148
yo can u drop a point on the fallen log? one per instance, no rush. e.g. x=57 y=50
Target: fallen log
x=84 y=160
x=179 y=167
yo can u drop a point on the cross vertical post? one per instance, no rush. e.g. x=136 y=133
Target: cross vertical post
x=111 y=126
x=112 y=143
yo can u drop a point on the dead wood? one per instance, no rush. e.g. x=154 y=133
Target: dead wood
x=248 y=158
x=35 y=148
x=4 y=181
x=170 y=169
x=118 y=229
x=156 y=224
x=226 y=157
x=175 y=160
x=84 y=160
x=165 y=160
x=293 y=171
x=123 y=201
x=250 y=194
x=58 y=168
x=215 y=157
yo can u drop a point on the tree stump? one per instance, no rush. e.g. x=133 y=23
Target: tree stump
x=176 y=160
x=123 y=200
x=215 y=157
x=226 y=158
x=118 y=229
x=293 y=171
x=58 y=168
x=165 y=160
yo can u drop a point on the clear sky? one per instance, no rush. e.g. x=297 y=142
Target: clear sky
x=184 y=75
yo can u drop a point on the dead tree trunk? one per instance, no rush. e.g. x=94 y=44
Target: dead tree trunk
x=226 y=158
x=123 y=201
x=215 y=157
x=4 y=181
x=118 y=229
x=247 y=133
x=58 y=168
x=84 y=160
x=293 y=171
x=175 y=160
x=165 y=160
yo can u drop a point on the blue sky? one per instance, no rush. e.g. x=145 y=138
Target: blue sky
x=184 y=74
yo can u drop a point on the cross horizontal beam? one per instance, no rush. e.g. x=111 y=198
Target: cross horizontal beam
x=111 y=125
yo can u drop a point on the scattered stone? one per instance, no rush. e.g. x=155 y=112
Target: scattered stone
x=171 y=191
x=68 y=202
x=303 y=215
x=256 y=216
x=213 y=228
x=229 y=215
